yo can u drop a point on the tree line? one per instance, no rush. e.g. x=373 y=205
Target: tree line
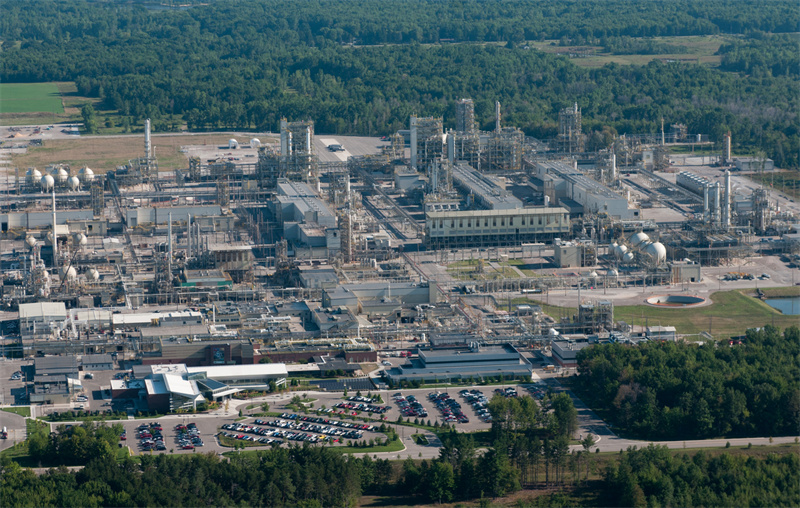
x=246 y=65
x=673 y=390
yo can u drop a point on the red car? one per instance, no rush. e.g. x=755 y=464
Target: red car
x=188 y=446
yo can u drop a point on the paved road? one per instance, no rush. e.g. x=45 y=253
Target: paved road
x=608 y=441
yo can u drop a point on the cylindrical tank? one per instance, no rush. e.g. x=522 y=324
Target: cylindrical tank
x=33 y=176
x=86 y=176
x=546 y=201
x=638 y=238
x=255 y=143
x=47 y=182
x=73 y=183
x=657 y=252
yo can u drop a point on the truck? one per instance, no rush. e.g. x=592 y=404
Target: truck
x=4 y=433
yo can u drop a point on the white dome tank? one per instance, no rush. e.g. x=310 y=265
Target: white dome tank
x=86 y=175
x=638 y=238
x=79 y=239
x=33 y=176
x=613 y=273
x=61 y=175
x=69 y=273
x=628 y=257
x=657 y=252
x=620 y=251
x=255 y=143
x=73 y=183
x=31 y=241
x=93 y=274
x=232 y=143
x=47 y=182
x=592 y=275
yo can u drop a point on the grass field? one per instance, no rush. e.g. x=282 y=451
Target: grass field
x=30 y=98
x=103 y=154
x=698 y=49
x=21 y=410
x=730 y=315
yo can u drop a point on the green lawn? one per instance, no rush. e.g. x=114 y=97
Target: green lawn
x=22 y=411
x=30 y=98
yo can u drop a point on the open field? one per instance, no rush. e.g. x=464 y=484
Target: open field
x=30 y=98
x=730 y=315
x=698 y=49
x=105 y=153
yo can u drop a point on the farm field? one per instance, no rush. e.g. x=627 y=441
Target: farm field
x=30 y=98
x=698 y=49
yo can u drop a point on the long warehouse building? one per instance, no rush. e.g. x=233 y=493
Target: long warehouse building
x=485 y=228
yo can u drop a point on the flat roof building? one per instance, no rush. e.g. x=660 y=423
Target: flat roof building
x=477 y=362
x=475 y=228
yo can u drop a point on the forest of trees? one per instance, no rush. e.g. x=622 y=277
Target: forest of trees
x=311 y=476
x=673 y=390
x=244 y=65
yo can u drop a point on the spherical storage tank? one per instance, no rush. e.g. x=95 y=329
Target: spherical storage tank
x=60 y=175
x=79 y=239
x=232 y=143
x=620 y=251
x=86 y=175
x=255 y=143
x=69 y=273
x=94 y=274
x=638 y=238
x=657 y=252
x=47 y=182
x=31 y=241
x=73 y=183
x=33 y=176
x=628 y=257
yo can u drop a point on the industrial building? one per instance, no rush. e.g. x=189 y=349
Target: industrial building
x=483 y=228
x=476 y=362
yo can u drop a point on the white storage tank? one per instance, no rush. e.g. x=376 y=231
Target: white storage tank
x=33 y=176
x=628 y=257
x=255 y=143
x=60 y=174
x=657 y=252
x=86 y=175
x=638 y=238
x=93 y=274
x=47 y=183
x=233 y=144
x=69 y=272
x=73 y=183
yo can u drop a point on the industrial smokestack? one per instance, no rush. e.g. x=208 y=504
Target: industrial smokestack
x=284 y=138
x=414 y=143
x=147 y=147
x=716 y=216
x=189 y=238
x=169 y=245
x=55 y=237
x=705 y=202
x=726 y=206
x=613 y=176
x=728 y=157
x=497 y=116
x=663 y=140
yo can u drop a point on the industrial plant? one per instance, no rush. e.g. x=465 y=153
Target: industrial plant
x=281 y=249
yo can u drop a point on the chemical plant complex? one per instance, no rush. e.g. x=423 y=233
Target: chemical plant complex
x=301 y=254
